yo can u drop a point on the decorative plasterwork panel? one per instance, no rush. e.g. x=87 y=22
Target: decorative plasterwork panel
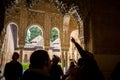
x=12 y=16
x=36 y=18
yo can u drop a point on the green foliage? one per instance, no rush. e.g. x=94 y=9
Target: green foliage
x=28 y=37
x=25 y=66
x=32 y=33
x=59 y=63
x=54 y=35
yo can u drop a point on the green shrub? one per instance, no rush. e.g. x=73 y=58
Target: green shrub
x=25 y=66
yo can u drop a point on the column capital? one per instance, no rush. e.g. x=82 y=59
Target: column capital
x=21 y=46
x=46 y=48
x=65 y=48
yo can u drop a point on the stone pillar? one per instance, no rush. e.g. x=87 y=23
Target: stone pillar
x=65 y=59
x=62 y=59
x=47 y=28
x=65 y=48
x=1 y=51
x=0 y=59
x=22 y=28
x=21 y=48
x=68 y=59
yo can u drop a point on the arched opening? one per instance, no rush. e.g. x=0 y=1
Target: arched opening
x=55 y=48
x=10 y=42
x=34 y=38
x=33 y=41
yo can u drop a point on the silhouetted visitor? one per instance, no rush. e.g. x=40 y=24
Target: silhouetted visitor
x=56 y=70
x=79 y=70
x=115 y=75
x=13 y=69
x=70 y=72
x=39 y=66
x=90 y=68
x=72 y=65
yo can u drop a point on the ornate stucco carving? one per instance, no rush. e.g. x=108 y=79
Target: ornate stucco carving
x=46 y=16
x=12 y=16
x=35 y=18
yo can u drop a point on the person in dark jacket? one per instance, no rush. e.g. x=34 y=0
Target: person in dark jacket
x=91 y=70
x=56 y=70
x=13 y=69
x=39 y=66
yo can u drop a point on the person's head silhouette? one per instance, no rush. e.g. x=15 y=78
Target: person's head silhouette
x=15 y=56
x=39 y=59
x=55 y=59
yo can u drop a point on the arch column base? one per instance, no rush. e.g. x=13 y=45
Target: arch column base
x=65 y=59
x=21 y=48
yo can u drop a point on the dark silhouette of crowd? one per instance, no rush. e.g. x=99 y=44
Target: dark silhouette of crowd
x=56 y=70
x=115 y=75
x=69 y=75
x=86 y=68
x=42 y=68
x=87 y=65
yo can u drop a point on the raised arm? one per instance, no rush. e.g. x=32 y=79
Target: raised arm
x=79 y=48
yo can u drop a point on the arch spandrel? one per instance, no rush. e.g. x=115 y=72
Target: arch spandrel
x=36 y=17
